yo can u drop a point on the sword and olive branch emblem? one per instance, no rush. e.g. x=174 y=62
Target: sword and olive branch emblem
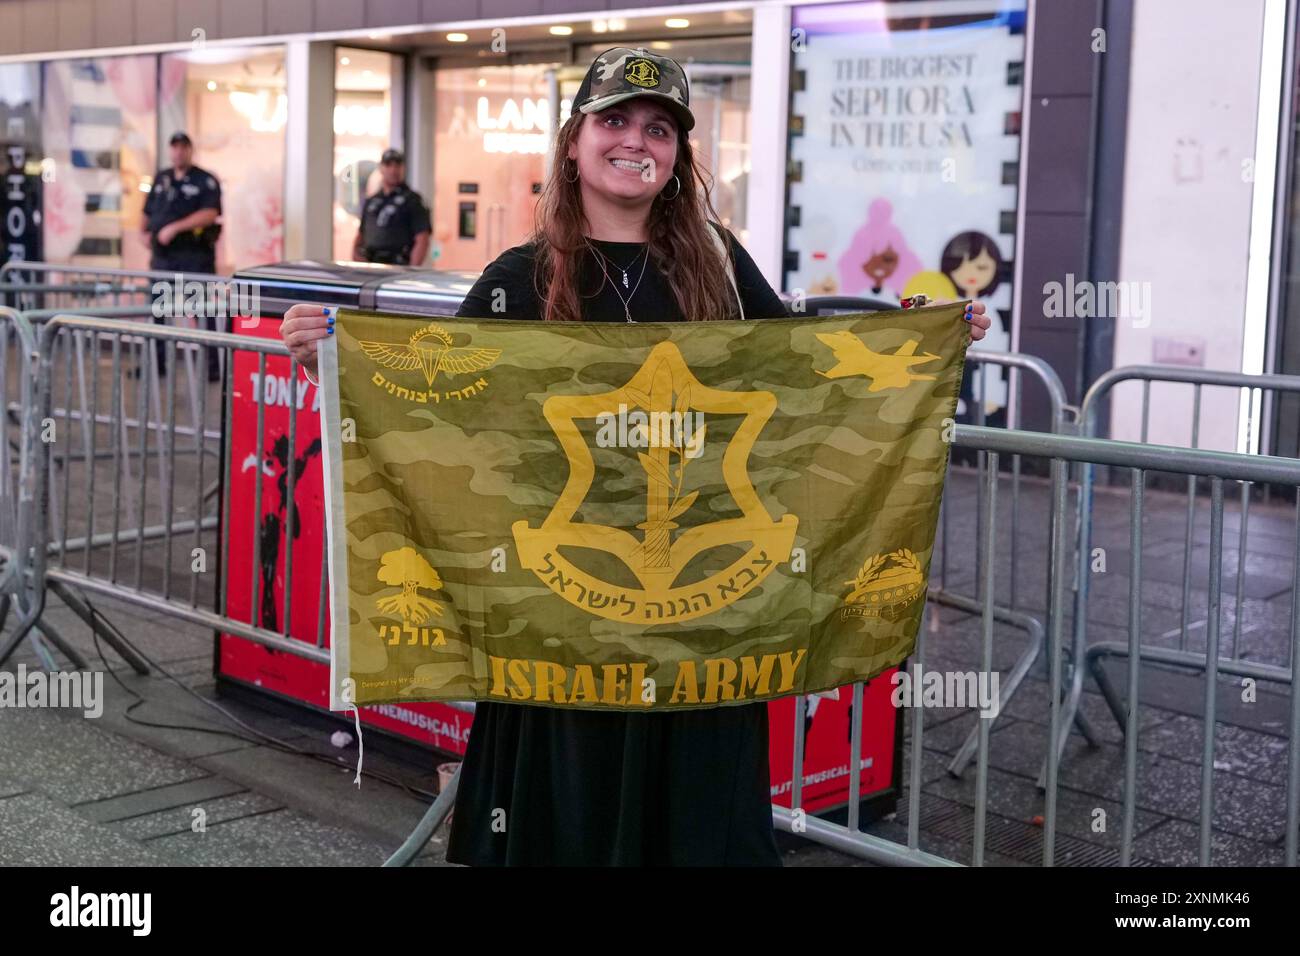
x=658 y=549
x=430 y=350
x=664 y=498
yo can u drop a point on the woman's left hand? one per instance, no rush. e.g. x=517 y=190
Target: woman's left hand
x=979 y=322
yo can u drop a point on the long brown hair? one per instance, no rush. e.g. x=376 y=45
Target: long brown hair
x=680 y=246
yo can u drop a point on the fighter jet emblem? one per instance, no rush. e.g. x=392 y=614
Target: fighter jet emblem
x=885 y=370
x=430 y=350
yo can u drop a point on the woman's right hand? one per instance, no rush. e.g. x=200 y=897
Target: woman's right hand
x=303 y=326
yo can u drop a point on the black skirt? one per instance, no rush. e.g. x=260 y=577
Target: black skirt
x=547 y=787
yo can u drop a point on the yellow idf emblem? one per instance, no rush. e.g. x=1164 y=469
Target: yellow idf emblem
x=657 y=549
x=641 y=72
x=406 y=568
x=886 y=370
x=884 y=586
x=430 y=350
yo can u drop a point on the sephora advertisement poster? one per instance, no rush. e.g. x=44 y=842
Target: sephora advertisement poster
x=905 y=141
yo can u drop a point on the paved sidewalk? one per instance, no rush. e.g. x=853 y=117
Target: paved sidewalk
x=112 y=791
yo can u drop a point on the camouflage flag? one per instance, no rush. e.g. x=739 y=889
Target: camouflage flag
x=631 y=516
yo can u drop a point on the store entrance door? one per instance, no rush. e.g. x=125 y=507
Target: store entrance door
x=494 y=128
x=721 y=137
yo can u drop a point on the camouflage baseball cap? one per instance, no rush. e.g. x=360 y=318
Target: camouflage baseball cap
x=621 y=73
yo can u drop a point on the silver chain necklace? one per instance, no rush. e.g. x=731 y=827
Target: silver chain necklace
x=622 y=269
x=600 y=261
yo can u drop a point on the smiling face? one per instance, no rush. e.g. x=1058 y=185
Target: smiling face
x=625 y=153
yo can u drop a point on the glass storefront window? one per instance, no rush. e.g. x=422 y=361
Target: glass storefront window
x=494 y=133
x=493 y=128
x=364 y=81
x=234 y=105
x=720 y=102
x=20 y=91
x=98 y=130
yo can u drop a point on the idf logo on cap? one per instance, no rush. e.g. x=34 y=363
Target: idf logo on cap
x=622 y=73
x=641 y=72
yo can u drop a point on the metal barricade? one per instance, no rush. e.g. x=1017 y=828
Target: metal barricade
x=102 y=418
x=154 y=296
x=74 y=406
x=57 y=286
x=17 y=388
x=1063 y=452
x=1029 y=379
x=1011 y=611
x=1091 y=658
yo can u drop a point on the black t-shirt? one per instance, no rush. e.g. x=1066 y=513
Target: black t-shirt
x=601 y=788
x=173 y=198
x=512 y=272
x=390 y=222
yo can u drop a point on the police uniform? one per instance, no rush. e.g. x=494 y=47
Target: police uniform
x=389 y=224
x=173 y=198
x=194 y=250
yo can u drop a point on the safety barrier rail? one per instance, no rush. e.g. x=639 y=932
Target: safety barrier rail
x=82 y=391
x=1089 y=659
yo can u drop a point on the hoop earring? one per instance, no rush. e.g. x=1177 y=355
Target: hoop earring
x=676 y=194
x=575 y=173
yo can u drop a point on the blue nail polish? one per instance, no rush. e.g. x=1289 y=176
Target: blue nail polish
x=331 y=331
x=967 y=316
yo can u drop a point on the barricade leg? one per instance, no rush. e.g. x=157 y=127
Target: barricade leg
x=99 y=624
x=1033 y=649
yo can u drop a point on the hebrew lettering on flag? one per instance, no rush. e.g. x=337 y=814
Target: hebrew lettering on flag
x=631 y=516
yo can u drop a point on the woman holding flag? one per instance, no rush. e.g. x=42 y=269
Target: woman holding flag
x=625 y=232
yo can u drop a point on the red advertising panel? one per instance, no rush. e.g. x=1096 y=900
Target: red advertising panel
x=827 y=725
x=288 y=675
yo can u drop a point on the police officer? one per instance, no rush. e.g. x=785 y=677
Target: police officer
x=181 y=213
x=395 y=226
x=181 y=216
